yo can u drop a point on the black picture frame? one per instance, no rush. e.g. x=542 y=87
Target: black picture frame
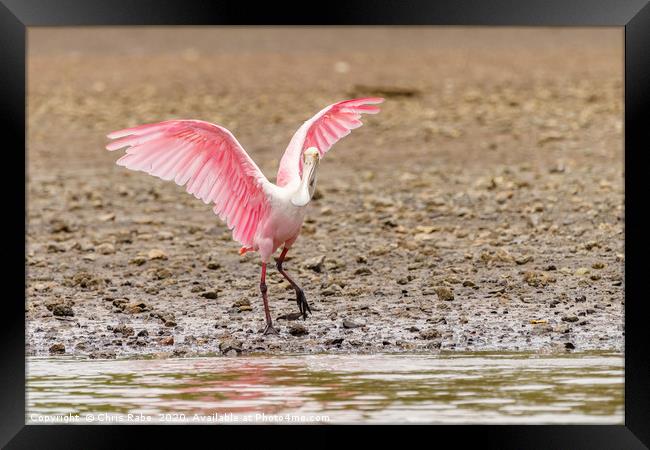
x=633 y=15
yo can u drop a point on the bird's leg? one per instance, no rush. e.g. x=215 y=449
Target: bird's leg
x=300 y=295
x=269 y=323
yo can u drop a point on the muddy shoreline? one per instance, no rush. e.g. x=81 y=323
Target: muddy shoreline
x=481 y=210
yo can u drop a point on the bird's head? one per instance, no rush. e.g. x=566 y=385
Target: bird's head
x=307 y=187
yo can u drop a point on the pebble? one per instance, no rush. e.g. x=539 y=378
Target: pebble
x=426 y=229
x=103 y=355
x=229 y=344
x=55 y=248
x=290 y=316
x=297 y=329
x=156 y=254
x=444 y=293
x=105 y=249
x=582 y=271
x=331 y=290
x=167 y=340
x=315 y=264
x=241 y=302
x=523 y=260
x=162 y=273
x=60 y=226
x=165 y=235
x=430 y=334
x=433 y=345
x=62 y=310
x=135 y=308
x=57 y=349
x=536 y=279
x=349 y=324
x=84 y=280
x=502 y=197
x=138 y=260
x=211 y=295
x=124 y=330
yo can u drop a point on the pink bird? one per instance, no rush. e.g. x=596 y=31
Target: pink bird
x=214 y=167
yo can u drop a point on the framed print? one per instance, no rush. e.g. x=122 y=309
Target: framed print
x=382 y=214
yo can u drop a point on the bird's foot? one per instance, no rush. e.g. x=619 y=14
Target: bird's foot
x=270 y=330
x=302 y=304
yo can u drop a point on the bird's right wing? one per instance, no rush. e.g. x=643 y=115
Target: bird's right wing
x=208 y=160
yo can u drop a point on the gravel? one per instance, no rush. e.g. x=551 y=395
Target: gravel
x=483 y=198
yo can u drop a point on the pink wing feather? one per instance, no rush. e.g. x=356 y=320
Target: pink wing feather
x=322 y=131
x=208 y=160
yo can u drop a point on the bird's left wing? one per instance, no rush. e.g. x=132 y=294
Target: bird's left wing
x=322 y=131
x=208 y=160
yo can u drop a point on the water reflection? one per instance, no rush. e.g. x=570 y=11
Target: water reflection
x=455 y=388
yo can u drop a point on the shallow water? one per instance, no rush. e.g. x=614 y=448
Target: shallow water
x=388 y=388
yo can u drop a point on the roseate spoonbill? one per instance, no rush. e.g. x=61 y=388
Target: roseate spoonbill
x=211 y=164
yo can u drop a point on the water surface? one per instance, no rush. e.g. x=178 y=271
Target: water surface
x=389 y=388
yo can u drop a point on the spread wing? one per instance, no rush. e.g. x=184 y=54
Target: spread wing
x=208 y=161
x=323 y=131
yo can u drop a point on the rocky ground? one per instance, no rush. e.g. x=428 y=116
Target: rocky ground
x=481 y=210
